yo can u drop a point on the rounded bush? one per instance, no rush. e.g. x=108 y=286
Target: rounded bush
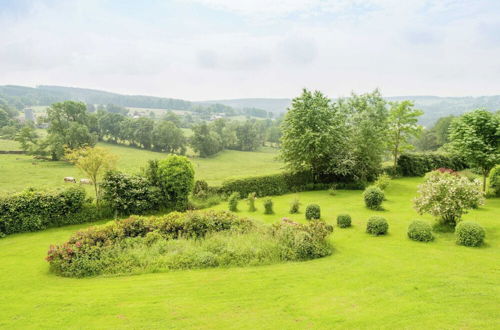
x=420 y=231
x=374 y=197
x=313 y=211
x=469 y=233
x=344 y=220
x=377 y=226
x=233 y=201
x=295 y=206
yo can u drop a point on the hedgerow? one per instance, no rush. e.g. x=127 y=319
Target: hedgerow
x=417 y=164
x=36 y=210
x=186 y=240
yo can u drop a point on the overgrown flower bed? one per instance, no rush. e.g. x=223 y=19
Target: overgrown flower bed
x=186 y=240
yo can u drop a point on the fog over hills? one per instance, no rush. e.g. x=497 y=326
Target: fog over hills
x=434 y=107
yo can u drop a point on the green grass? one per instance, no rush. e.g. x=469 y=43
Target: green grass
x=21 y=171
x=9 y=145
x=368 y=282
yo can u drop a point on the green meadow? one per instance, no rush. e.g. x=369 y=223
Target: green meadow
x=21 y=171
x=368 y=282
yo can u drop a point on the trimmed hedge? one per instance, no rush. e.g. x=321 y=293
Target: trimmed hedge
x=36 y=210
x=469 y=233
x=377 y=225
x=494 y=181
x=280 y=184
x=373 y=197
x=417 y=164
x=313 y=212
x=420 y=231
x=344 y=220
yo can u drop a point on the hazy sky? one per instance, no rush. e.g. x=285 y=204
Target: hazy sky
x=212 y=49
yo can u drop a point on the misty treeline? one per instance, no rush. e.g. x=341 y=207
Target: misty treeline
x=20 y=97
x=72 y=126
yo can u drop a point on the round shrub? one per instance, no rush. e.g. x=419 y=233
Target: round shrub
x=374 y=197
x=469 y=233
x=344 y=220
x=268 y=206
x=233 y=201
x=420 y=231
x=313 y=211
x=377 y=226
x=251 y=202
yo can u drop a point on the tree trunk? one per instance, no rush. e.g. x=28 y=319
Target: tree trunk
x=485 y=174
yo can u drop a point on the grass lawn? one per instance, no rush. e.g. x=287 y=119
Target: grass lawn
x=9 y=145
x=21 y=171
x=368 y=282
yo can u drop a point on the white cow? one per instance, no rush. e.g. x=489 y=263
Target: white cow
x=70 y=179
x=85 y=181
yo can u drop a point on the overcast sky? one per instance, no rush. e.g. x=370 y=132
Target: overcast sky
x=213 y=49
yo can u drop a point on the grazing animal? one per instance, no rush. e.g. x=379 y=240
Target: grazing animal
x=70 y=179
x=85 y=181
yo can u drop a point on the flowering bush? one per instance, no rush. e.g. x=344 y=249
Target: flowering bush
x=448 y=196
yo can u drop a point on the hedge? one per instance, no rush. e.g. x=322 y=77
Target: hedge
x=36 y=210
x=417 y=164
x=280 y=184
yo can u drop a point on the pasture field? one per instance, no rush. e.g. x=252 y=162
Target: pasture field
x=368 y=282
x=21 y=171
x=9 y=145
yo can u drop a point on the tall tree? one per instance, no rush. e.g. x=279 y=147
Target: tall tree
x=403 y=124
x=476 y=137
x=94 y=162
x=314 y=136
x=168 y=138
x=205 y=141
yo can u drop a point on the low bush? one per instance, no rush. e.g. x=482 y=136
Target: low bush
x=313 y=212
x=36 y=210
x=494 y=182
x=382 y=181
x=197 y=203
x=344 y=220
x=233 y=202
x=469 y=233
x=200 y=189
x=186 y=240
x=420 y=231
x=268 y=206
x=251 y=202
x=294 y=206
x=417 y=164
x=373 y=197
x=377 y=225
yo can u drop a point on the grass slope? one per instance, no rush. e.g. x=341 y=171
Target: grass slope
x=21 y=171
x=368 y=282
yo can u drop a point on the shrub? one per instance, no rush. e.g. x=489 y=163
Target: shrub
x=420 y=230
x=200 y=189
x=313 y=212
x=251 y=202
x=418 y=164
x=469 y=233
x=36 y=210
x=377 y=226
x=373 y=197
x=494 y=181
x=448 y=196
x=344 y=220
x=382 y=181
x=186 y=240
x=268 y=206
x=233 y=202
x=176 y=180
x=295 y=206
x=130 y=194
x=207 y=201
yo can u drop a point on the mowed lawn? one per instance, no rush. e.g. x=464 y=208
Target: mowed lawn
x=368 y=282
x=21 y=171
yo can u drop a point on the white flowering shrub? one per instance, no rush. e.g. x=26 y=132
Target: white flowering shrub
x=448 y=196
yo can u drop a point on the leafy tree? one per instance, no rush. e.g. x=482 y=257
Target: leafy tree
x=172 y=117
x=442 y=129
x=247 y=136
x=403 y=124
x=94 y=162
x=169 y=138
x=205 y=141
x=28 y=138
x=176 y=180
x=367 y=121
x=314 y=136
x=143 y=133
x=476 y=137
x=4 y=118
x=448 y=196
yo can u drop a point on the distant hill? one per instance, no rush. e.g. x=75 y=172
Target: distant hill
x=434 y=107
